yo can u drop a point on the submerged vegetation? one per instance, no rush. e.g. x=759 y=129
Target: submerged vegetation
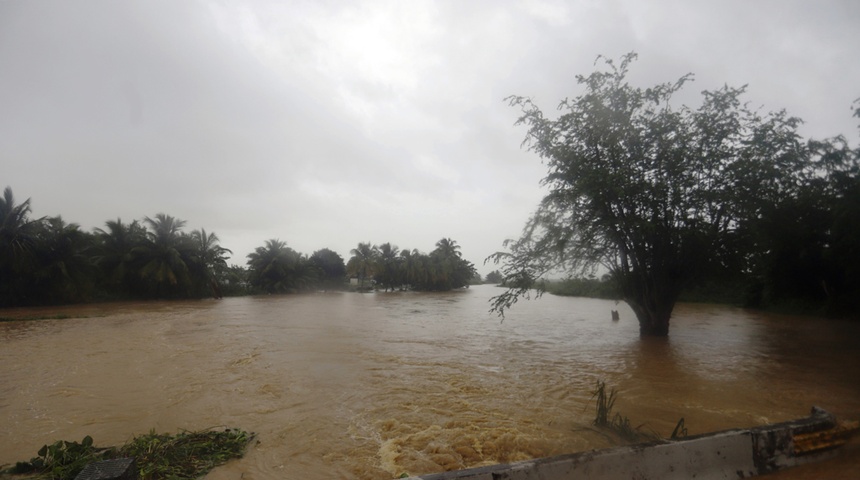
x=186 y=455
x=619 y=425
x=616 y=423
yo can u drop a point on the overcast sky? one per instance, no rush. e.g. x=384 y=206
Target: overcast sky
x=328 y=123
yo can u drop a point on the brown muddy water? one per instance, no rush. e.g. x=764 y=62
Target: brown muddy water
x=370 y=386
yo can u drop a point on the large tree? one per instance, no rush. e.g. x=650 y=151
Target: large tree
x=654 y=193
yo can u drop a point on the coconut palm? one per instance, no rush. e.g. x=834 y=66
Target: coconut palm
x=209 y=260
x=114 y=253
x=162 y=257
x=448 y=269
x=276 y=268
x=363 y=262
x=18 y=236
x=64 y=272
x=410 y=267
x=17 y=231
x=447 y=248
x=389 y=267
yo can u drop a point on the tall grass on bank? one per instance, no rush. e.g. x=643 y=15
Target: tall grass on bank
x=620 y=424
x=617 y=424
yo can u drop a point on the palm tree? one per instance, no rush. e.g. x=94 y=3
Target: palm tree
x=389 y=266
x=447 y=248
x=209 y=259
x=276 y=268
x=363 y=262
x=114 y=253
x=408 y=266
x=165 y=229
x=17 y=231
x=18 y=236
x=448 y=269
x=163 y=256
x=65 y=271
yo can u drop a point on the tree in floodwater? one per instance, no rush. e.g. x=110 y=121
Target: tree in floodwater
x=657 y=195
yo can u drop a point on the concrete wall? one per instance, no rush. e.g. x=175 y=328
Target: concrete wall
x=724 y=455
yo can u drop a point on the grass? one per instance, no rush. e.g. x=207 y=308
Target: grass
x=620 y=425
x=186 y=455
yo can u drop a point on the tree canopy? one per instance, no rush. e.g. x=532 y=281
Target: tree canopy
x=442 y=269
x=49 y=261
x=657 y=195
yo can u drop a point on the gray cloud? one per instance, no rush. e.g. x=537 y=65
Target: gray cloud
x=325 y=124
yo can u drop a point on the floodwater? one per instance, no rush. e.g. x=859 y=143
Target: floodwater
x=370 y=386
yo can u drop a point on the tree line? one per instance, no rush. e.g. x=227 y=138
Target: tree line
x=277 y=268
x=670 y=199
x=47 y=261
x=391 y=268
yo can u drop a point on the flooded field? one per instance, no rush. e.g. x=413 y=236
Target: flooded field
x=370 y=386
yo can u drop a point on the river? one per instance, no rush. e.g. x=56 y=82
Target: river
x=370 y=386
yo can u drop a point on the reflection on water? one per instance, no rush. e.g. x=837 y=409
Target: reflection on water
x=374 y=385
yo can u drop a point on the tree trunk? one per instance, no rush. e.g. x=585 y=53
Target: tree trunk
x=653 y=325
x=652 y=302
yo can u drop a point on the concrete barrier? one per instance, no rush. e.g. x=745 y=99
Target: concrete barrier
x=729 y=454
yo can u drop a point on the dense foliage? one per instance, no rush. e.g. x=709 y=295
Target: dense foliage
x=582 y=287
x=186 y=455
x=664 y=197
x=48 y=261
x=494 y=277
x=391 y=268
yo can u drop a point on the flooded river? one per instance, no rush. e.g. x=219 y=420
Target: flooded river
x=370 y=386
